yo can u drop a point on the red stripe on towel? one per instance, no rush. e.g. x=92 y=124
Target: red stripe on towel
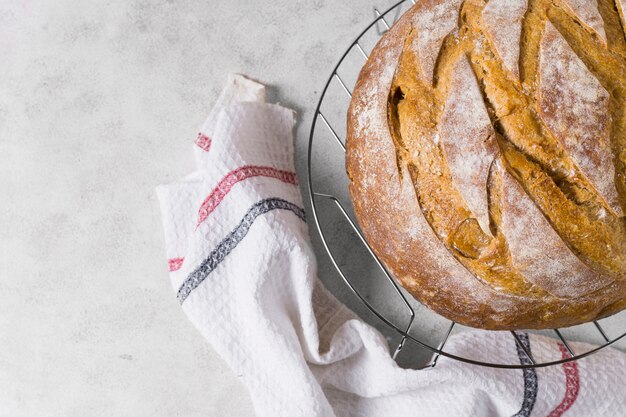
x=232 y=178
x=175 y=264
x=572 y=384
x=203 y=142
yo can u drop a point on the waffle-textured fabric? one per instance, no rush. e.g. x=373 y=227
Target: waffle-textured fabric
x=243 y=271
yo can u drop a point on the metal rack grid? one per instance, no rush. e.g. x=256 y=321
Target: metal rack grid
x=404 y=332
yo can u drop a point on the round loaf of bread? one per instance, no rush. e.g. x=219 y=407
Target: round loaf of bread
x=486 y=152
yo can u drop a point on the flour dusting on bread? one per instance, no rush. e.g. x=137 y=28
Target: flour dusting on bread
x=574 y=106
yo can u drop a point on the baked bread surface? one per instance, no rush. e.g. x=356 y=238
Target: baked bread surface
x=486 y=152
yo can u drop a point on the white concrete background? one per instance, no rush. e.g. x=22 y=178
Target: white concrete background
x=98 y=102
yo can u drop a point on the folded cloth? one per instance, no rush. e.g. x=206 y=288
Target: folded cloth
x=243 y=270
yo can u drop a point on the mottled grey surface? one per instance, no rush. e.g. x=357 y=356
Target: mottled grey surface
x=98 y=103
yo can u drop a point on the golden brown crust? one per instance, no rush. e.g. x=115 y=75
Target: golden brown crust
x=458 y=181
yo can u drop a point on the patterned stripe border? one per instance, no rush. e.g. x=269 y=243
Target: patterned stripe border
x=203 y=142
x=230 y=242
x=232 y=178
x=175 y=264
x=530 y=379
x=572 y=384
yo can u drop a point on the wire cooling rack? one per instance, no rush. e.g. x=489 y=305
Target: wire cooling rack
x=327 y=184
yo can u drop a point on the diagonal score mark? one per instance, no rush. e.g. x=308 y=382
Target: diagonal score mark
x=535 y=158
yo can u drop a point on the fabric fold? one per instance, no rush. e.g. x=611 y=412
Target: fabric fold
x=244 y=272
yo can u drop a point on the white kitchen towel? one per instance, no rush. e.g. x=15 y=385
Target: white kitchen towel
x=243 y=270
